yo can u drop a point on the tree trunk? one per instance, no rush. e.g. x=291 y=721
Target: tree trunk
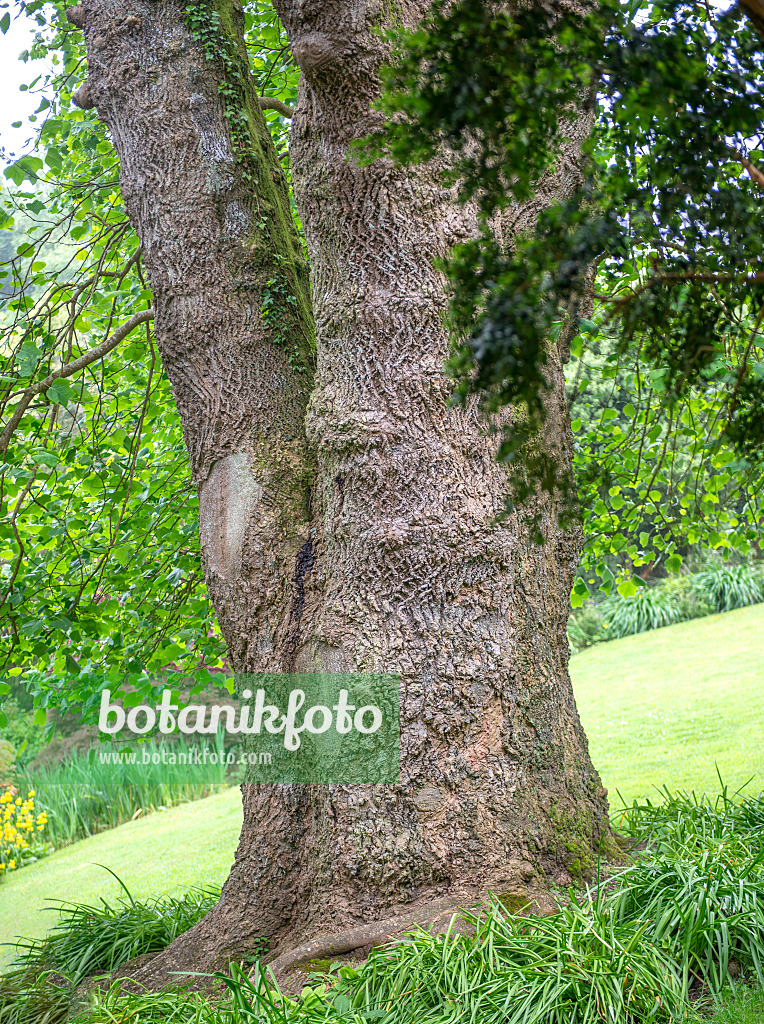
x=392 y=559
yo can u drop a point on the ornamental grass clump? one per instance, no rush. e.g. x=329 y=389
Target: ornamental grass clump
x=581 y=964
x=650 y=608
x=651 y=946
x=87 y=938
x=88 y=792
x=20 y=829
x=92 y=940
x=726 y=587
x=700 y=883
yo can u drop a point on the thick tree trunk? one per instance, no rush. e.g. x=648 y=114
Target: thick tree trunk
x=396 y=563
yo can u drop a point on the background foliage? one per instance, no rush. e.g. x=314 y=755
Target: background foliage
x=648 y=274
x=100 y=581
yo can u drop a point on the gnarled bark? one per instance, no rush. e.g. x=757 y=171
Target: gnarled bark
x=397 y=563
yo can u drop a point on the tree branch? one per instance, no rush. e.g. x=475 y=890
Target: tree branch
x=688 y=275
x=753 y=171
x=68 y=369
x=269 y=103
x=755 y=11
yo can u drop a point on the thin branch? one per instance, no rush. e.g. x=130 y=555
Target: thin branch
x=68 y=369
x=689 y=275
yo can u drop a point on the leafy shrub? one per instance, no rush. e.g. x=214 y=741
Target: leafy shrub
x=19 y=829
x=19 y=728
x=689 y=600
x=725 y=587
x=717 y=588
x=648 y=609
x=7 y=763
x=586 y=627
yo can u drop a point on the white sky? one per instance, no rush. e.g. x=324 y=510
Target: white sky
x=14 y=104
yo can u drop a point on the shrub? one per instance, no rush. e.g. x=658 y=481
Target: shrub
x=689 y=601
x=586 y=627
x=7 y=763
x=19 y=829
x=725 y=587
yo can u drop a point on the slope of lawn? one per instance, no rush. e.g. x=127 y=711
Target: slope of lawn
x=165 y=853
x=663 y=707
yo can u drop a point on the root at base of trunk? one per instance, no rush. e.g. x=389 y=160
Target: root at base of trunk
x=195 y=956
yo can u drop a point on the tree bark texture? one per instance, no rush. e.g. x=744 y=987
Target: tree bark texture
x=348 y=516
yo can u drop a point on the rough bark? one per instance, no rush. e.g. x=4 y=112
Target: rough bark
x=397 y=563
x=209 y=201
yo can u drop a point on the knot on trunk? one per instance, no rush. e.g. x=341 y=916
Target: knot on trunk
x=315 y=51
x=83 y=98
x=77 y=15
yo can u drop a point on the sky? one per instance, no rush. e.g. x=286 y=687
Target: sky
x=14 y=104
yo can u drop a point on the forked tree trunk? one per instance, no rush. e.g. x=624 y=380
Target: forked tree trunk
x=391 y=560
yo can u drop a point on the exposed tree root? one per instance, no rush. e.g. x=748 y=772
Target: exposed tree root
x=362 y=935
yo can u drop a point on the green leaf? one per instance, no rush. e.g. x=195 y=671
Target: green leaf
x=123 y=556
x=60 y=393
x=45 y=458
x=25 y=168
x=627 y=588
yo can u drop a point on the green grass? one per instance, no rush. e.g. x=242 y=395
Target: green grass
x=84 y=795
x=740 y=1006
x=665 y=707
x=100 y=937
x=165 y=853
x=659 y=938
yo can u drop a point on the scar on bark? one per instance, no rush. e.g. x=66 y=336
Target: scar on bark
x=306 y=559
x=340 y=482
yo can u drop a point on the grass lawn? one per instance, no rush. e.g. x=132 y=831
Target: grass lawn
x=665 y=706
x=165 y=853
